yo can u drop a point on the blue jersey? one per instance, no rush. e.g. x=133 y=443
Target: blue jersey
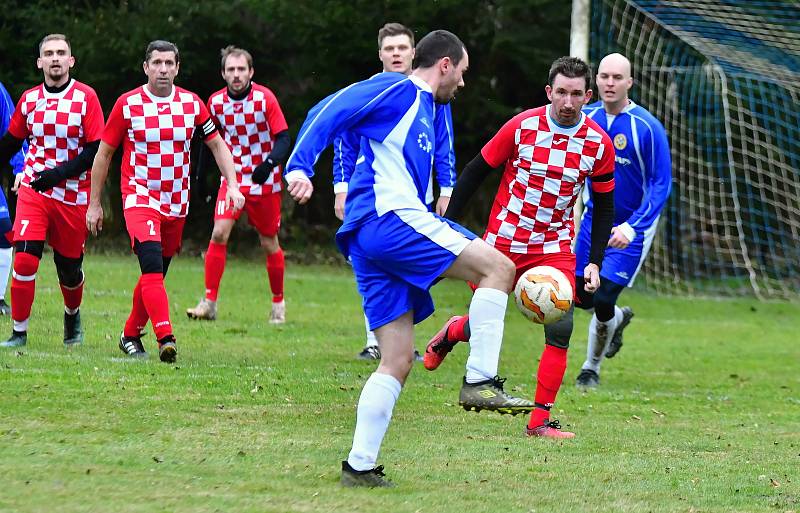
x=393 y=116
x=346 y=153
x=6 y=110
x=643 y=170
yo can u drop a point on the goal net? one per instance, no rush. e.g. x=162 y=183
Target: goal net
x=724 y=79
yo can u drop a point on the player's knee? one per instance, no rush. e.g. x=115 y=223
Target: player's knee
x=25 y=265
x=150 y=256
x=559 y=333
x=584 y=300
x=31 y=247
x=270 y=244
x=219 y=235
x=502 y=269
x=69 y=270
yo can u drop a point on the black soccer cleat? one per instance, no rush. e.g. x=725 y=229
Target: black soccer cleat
x=5 y=308
x=587 y=379
x=73 y=334
x=616 y=340
x=374 y=478
x=132 y=346
x=167 y=349
x=17 y=339
x=369 y=353
x=489 y=395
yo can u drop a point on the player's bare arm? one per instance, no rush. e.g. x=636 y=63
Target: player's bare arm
x=233 y=198
x=102 y=160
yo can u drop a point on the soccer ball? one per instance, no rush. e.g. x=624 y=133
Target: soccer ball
x=543 y=294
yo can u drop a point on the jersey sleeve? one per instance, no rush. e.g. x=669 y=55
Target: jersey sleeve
x=658 y=177
x=602 y=173
x=501 y=147
x=93 y=121
x=366 y=108
x=116 y=126
x=445 y=155
x=204 y=122
x=345 y=153
x=275 y=118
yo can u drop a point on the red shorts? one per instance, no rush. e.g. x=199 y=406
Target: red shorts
x=263 y=212
x=41 y=218
x=564 y=262
x=146 y=224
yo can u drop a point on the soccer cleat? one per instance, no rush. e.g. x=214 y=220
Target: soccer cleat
x=132 y=346
x=5 y=309
x=167 y=350
x=17 y=339
x=73 y=334
x=278 y=313
x=364 y=478
x=205 y=310
x=616 y=341
x=489 y=395
x=587 y=379
x=550 y=429
x=439 y=346
x=370 y=353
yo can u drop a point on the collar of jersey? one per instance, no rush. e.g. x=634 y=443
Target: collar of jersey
x=562 y=128
x=159 y=99
x=60 y=94
x=420 y=83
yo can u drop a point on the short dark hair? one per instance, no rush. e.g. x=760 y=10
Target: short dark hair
x=232 y=50
x=394 y=29
x=570 y=67
x=159 y=45
x=54 y=37
x=436 y=45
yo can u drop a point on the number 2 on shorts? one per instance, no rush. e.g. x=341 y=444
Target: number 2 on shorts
x=152 y=227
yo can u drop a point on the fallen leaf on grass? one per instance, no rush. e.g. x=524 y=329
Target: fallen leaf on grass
x=774 y=483
x=636 y=417
x=659 y=413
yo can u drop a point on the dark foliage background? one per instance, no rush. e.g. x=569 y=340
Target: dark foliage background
x=303 y=50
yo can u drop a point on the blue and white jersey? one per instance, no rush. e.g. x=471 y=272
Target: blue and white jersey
x=643 y=170
x=346 y=153
x=393 y=116
x=6 y=109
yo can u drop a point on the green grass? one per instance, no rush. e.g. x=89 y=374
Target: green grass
x=700 y=412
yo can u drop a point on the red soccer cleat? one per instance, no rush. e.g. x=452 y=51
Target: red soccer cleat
x=550 y=429
x=439 y=346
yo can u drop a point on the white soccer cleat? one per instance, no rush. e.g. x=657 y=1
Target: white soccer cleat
x=278 y=313
x=205 y=309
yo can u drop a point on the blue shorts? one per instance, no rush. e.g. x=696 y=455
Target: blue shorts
x=397 y=257
x=619 y=265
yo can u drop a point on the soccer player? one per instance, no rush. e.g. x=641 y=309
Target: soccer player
x=17 y=163
x=397 y=246
x=396 y=52
x=155 y=123
x=643 y=177
x=62 y=121
x=252 y=124
x=546 y=154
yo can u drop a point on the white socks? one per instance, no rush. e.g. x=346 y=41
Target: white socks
x=371 y=340
x=486 y=312
x=600 y=335
x=5 y=269
x=375 y=407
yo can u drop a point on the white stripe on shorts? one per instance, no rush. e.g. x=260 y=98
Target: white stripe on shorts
x=427 y=224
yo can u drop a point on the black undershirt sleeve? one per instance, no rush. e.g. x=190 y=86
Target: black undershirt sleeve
x=602 y=221
x=82 y=162
x=280 y=152
x=468 y=182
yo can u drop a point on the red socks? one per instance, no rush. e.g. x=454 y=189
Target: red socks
x=215 y=266
x=459 y=330
x=275 y=268
x=154 y=297
x=72 y=296
x=23 y=285
x=138 y=317
x=548 y=381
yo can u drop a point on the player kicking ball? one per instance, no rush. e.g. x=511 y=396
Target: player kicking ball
x=546 y=154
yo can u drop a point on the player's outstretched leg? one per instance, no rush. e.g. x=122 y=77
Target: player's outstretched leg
x=549 y=377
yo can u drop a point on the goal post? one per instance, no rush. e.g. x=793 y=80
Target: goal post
x=724 y=79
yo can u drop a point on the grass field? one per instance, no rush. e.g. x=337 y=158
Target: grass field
x=700 y=412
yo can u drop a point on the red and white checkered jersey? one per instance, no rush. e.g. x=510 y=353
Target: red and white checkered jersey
x=545 y=167
x=156 y=133
x=58 y=126
x=249 y=126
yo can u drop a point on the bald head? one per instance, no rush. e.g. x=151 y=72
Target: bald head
x=614 y=81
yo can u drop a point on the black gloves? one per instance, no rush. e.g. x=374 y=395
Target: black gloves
x=263 y=170
x=45 y=180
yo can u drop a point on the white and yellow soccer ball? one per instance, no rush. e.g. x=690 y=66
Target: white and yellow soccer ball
x=543 y=294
